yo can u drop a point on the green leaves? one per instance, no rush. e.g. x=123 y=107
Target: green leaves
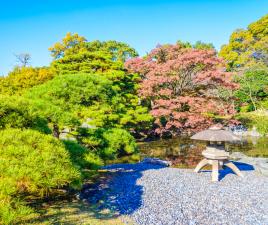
x=86 y=62
x=109 y=143
x=39 y=160
x=72 y=91
x=19 y=112
x=253 y=87
x=68 y=99
x=75 y=54
x=31 y=164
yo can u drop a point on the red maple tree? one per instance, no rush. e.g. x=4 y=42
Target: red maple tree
x=182 y=87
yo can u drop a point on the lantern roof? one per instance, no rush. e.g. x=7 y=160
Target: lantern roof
x=216 y=133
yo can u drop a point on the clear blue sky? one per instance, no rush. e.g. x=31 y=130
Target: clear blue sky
x=32 y=26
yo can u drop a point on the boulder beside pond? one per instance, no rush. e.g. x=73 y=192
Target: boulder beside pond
x=259 y=164
x=157 y=161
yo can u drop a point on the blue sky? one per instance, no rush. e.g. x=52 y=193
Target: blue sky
x=32 y=26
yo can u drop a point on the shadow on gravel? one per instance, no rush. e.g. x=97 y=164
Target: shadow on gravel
x=225 y=171
x=241 y=166
x=119 y=195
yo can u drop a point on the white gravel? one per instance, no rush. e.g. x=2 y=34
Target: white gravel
x=156 y=195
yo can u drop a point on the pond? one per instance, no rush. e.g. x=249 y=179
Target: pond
x=186 y=153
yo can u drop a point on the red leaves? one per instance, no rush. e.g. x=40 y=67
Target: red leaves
x=179 y=82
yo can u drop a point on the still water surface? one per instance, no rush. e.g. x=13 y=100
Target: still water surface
x=184 y=152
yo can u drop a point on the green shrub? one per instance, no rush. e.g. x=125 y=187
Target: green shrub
x=12 y=210
x=258 y=119
x=118 y=142
x=109 y=143
x=31 y=164
x=18 y=112
x=11 y=207
x=83 y=157
x=37 y=114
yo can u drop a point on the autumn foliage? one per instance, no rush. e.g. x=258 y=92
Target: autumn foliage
x=182 y=87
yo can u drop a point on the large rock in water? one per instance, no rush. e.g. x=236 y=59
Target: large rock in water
x=259 y=164
x=156 y=161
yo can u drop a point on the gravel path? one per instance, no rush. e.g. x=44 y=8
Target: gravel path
x=153 y=195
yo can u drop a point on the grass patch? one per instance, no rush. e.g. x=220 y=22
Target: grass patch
x=73 y=212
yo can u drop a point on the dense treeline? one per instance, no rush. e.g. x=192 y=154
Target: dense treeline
x=62 y=121
x=246 y=56
x=70 y=117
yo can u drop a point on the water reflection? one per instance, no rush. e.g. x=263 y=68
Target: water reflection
x=252 y=146
x=184 y=152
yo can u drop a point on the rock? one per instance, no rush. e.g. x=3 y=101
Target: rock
x=240 y=130
x=156 y=161
x=259 y=164
x=79 y=196
x=262 y=166
x=237 y=156
x=86 y=125
x=65 y=135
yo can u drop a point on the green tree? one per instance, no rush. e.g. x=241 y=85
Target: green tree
x=253 y=88
x=247 y=47
x=203 y=46
x=75 y=54
x=197 y=45
x=109 y=143
x=71 y=44
x=106 y=59
x=35 y=113
x=86 y=96
x=118 y=50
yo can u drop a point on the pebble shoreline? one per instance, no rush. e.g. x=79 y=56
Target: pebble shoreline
x=158 y=195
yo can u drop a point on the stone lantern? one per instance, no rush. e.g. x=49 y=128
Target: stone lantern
x=215 y=153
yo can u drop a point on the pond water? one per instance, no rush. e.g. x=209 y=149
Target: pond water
x=184 y=152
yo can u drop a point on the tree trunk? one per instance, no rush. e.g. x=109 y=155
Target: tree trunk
x=152 y=104
x=56 y=131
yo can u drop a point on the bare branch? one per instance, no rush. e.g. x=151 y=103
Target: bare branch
x=23 y=59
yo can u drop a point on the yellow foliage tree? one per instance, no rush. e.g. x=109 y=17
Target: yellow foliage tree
x=71 y=44
x=22 y=78
x=247 y=47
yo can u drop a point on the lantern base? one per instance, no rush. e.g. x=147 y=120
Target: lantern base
x=217 y=158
